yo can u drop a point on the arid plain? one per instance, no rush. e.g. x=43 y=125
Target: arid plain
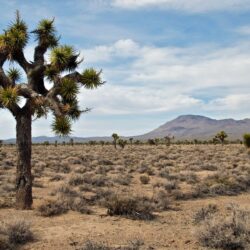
x=139 y=197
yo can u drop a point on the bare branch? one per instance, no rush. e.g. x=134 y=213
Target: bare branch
x=75 y=76
x=21 y=60
x=40 y=50
x=3 y=57
x=27 y=92
x=4 y=80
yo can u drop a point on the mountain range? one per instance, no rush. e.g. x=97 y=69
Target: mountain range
x=183 y=127
x=200 y=127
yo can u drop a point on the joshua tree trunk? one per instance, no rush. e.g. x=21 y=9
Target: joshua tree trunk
x=23 y=171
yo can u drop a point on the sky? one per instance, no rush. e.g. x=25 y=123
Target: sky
x=160 y=59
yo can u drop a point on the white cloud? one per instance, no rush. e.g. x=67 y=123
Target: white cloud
x=185 y=5
x=146 y=80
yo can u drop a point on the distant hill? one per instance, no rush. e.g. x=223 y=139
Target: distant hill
x=183 y=127
x=199 y=127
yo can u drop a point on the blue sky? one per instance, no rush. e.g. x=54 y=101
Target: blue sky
x=160 y=58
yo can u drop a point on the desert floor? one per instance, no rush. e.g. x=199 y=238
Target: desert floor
x=175 y=181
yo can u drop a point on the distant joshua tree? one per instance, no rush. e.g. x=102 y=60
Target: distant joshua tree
x=71 y=141
x=61 y=98
x=221 y=136
x=56 y=143
x=151 y=142
x=122 y=143
x=115 y=139
x=131 y=140
x=168 y=139
x=1 y=143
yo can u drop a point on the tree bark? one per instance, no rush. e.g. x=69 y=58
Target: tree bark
x=23 y=171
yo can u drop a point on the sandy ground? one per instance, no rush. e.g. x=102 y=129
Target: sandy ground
x=172 y=229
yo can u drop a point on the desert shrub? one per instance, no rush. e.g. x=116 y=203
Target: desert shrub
x=57 y=178
x=190 y=178
x=209 y=167
x=137 y=208
x=230 y=233
x=78 y=204
x=205 y=213
x=246 y=139
x=18 y=232
x=91 y=245
x=144 y=179
x=66 y=191
x=76 y=180
x=171 y=185
x=4 y=243
x=74 y=160
x=52 y=208
x=124 y=180
x=161 y=200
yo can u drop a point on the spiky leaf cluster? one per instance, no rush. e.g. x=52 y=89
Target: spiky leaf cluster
x=14 y=74
x=15 y=37
x=64 y=58
x=9 y=96
x=68 y=89
x=61 y=125
x=46 y=33
x=91 y=78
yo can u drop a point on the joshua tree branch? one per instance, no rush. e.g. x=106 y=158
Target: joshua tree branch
x=40 y=50
x=4 y=80
x=21 y=60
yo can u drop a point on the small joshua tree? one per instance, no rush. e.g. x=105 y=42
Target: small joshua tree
x=131 y=140
x=122 y=143
x=56 y=143
x=168 y=139
x=71 y=141
x=1 y=143
x=60 y=99
x=115 y=139
x=221 y=136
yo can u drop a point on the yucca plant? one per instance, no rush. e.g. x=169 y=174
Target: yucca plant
x=61 y=99
x=221 y=136
x=115 y=139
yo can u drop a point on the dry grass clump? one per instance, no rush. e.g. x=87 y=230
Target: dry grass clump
x=228 y=233
x=15 y=233
x=52 y=208
x=124 y=180
x=144 y=179
x=92 y=245
x=205 y=213
x=137 y=208
x=162 y=200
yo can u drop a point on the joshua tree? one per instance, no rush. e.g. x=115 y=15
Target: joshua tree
x=168 y=139
x=131 y=140
x=221 y=136
x=56 y=143
x=151 y=142
x=71 y=141
x=115 y=139
x=60 y=99
x=122 y=143
x=1 y=143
